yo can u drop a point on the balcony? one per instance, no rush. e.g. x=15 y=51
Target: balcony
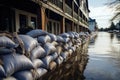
x=80 y=19
x=57 y=3
x=76 y=16
x=68 y=9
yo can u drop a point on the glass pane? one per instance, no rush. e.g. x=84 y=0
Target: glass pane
x=33 y=22
x=23 y=20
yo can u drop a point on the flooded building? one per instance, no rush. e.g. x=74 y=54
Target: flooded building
x=54 y=16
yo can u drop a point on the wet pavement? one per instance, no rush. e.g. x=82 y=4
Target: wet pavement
x=104 y=58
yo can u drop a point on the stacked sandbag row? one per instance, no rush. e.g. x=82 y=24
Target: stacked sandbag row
x=31 y=56
x=12 y=63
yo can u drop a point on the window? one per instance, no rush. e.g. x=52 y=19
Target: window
x=53 y=27
x=23 y=20
x=33 y=22
x=49 y=27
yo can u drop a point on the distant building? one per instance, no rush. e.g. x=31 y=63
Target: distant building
x=92 y=25
x=118 y=25
x=54 y=16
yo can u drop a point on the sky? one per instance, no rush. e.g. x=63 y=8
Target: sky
x=100 y=11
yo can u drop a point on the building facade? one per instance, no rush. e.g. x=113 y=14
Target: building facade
x=54 y=16
x=92 y=25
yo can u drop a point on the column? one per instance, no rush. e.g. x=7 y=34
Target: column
x=62 y=24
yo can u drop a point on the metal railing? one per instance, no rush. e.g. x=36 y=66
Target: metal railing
x=75 y=15
x=68 y=9
x=58 y=3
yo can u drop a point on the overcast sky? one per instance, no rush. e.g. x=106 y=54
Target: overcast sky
x=101 y=12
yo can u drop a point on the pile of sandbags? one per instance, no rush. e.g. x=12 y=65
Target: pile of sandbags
x=10 y=61
x=30 y=56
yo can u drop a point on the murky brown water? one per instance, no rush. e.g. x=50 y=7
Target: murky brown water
x=104 y=58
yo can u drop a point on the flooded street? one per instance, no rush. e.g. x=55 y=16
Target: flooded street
x=104 y=58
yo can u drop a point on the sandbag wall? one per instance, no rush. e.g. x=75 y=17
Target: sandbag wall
x=38 y=53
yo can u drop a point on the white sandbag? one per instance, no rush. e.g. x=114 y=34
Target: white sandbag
x=59 y=50
x=65 y=47
x=70 y=51
x=65 y=35
x=53 y=65
x=54 y=43
x=2 y=71
x=38 y=63
x=4 y=51
x=15 y=62
x=6 y=42
x=47 y=61
x=23 y=75
x=70 y=44
x=29 y=42
x=73 y=48
x=49 y=48
x=65 y=55
x=53 y=37
x=9 y=78
x=59 y=60
x=37 y=52
x=44 y=39
x=60 y=39
x=36 y=33
x=40 y=72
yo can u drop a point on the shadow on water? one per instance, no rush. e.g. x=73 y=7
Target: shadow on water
x=104 y=58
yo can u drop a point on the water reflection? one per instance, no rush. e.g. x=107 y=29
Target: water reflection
x=104 y=58
x=73 y=68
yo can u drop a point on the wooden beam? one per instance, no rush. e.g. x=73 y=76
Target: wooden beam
x=63 y=25
x=43 y=18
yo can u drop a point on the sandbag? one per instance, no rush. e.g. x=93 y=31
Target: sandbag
x=59 y=50
x=65 y=35
x=70 y=51
x=38 y=63
x=49 y=48
x=23 y=75
x=37 y=52
x=40 y=72
x=15 y=62
x=44 y=39
x=2 y=72
x=53 y=37
x=9 y=78
x=65 y=47
x=66 y=40
x=47 y=61
x=76 y=35
x=70 y=44
x=73 y=48
x=54 y=43
x=71 y=34
x=36 y=33
x=4 y=51
x=6 y=42
x=54 y=55
x=65 y=55
x=59 y=60
x=53 y=65
x=29 y=42
x=60 y=39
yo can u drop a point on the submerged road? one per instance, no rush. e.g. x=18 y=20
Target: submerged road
x=104 y=58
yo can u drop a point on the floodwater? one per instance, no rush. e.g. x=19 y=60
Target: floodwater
x=104 y=58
